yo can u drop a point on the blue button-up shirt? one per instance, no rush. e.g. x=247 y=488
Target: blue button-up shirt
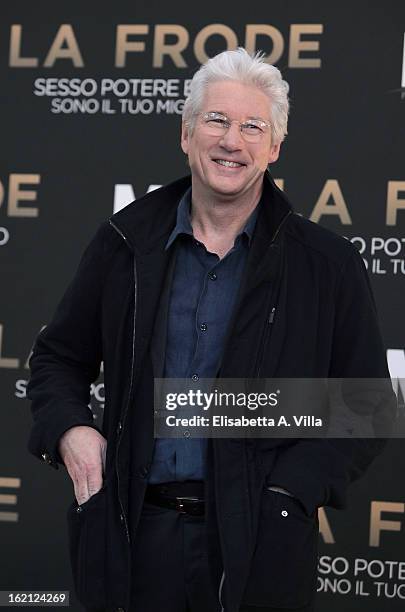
x=203 y=294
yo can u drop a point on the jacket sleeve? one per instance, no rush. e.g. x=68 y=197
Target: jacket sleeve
x=66 y=358
x=317 y=471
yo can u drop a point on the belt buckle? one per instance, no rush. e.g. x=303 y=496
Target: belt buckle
x=180 y=503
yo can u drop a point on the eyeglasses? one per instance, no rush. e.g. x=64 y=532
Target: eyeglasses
x=252 y=130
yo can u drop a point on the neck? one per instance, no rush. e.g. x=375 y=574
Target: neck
x=217 y=220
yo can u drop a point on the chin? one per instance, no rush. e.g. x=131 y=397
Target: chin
x=226 y=186
x=227 y=190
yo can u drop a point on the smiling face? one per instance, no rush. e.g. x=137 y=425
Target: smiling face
x=226 y=165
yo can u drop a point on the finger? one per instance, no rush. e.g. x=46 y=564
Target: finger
x=82 y=492
x=95 y=480
x=79 y=481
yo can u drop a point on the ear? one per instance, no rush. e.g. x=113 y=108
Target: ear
x=274 y=153
x=185 y=135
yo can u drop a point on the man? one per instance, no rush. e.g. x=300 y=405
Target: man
x=213 y=275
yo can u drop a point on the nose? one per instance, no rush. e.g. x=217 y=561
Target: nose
x=232 y=139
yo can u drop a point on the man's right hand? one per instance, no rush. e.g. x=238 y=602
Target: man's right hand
x=83 y=451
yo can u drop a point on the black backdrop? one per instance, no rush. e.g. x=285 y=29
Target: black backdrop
x=68 y=161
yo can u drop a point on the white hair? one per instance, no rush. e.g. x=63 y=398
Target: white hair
x=239 y=65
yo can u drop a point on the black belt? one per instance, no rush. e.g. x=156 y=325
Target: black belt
x=185 y=497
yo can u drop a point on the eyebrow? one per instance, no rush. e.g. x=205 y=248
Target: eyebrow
x=247 y=118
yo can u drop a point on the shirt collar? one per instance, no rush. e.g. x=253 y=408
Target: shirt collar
x=183 y=222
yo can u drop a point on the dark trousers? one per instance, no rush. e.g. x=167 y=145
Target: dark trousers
x=170 y=566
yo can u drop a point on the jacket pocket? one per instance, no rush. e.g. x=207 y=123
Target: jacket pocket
x=86 y=530
x=283 y=570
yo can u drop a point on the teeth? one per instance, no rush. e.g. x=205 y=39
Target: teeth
x=230 y=164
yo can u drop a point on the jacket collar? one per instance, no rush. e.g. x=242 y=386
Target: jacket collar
x=147 y=223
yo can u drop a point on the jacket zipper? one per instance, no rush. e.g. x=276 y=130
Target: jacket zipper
x=221 y=584
x=265 y=339
x=270 y=318
x=124 y=417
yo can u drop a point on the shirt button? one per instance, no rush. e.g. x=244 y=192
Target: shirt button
x=195 y=377
x=212 y=276
x=284 y=513
x=203 y=327
x=186 y=434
